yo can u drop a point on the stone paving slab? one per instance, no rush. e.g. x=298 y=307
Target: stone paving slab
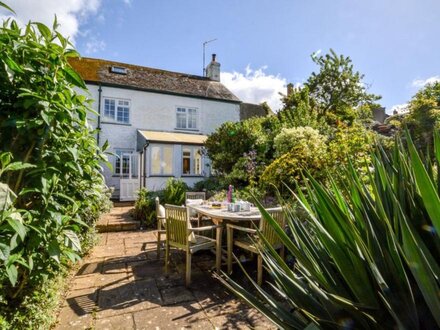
x=119 y=219
x=122 y=285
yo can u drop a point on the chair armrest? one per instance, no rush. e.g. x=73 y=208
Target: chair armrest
x=203 y=228
x=247 y=230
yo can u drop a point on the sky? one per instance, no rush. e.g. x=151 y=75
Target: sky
x=262 y=45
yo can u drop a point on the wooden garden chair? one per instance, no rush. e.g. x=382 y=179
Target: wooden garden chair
x=180 y=235
x=161 y=225
x=249 y=242
x=195 y=195
x=198 y=197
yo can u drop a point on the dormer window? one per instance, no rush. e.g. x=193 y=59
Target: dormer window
x=118 y=70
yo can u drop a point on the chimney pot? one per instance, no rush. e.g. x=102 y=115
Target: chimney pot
x=213 y=69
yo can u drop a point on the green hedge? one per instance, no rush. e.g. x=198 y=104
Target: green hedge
x=51 y=187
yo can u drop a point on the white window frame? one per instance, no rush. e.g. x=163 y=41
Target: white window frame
x=192 y=166
x=132 y=170
x=118 y=104
x=161 y=146
x=181 y=110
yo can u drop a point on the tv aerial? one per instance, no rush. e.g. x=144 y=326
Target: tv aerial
x=204 y=46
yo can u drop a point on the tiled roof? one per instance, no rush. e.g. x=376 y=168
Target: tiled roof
x=138 y=77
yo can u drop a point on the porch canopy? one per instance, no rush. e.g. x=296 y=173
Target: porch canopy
x=146 y=137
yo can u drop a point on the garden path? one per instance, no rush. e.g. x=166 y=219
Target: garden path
x=122 y=285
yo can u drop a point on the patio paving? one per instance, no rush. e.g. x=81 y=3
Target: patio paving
x=122 y=285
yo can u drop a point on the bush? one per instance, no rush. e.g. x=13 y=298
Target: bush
x=174 y=192
x=306 y=141
x=51 y=187
x=211 y=185
x=145 y=208
x=298 y=148
x=367 y=255
x=145 y=205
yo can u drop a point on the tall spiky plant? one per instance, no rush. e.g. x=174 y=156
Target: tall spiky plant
x=367 y=256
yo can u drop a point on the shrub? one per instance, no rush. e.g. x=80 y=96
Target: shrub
x=306 y=141
x=298 y=148
x=174 y=192
x=211 y=185
x=51 y=187
x=145 y=208
x=367 y=256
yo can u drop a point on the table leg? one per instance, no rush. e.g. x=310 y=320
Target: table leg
x=218 y=247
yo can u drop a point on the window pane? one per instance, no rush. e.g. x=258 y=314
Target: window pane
x=125 y=165
x=167 y=164
x=118 y=161
x=186 y=161
x=192 y=118
x=155 y=160
x=180 y=120
x=134 y=165
x=109 y=108
x=197 y=161
x=123 y=114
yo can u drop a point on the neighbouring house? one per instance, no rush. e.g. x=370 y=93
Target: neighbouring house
x=155 y=121
x=250 y=110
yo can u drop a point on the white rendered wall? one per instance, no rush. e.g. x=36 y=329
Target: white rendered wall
x=154 y=111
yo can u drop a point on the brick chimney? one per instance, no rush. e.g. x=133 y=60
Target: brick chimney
x=213 y=69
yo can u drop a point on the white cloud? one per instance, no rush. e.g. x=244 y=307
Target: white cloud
x=399 y=109
x=70 y=13
x=94 y=45
x=419 y=83
x=255 y=86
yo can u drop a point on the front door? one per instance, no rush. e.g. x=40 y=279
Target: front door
x=129 y=176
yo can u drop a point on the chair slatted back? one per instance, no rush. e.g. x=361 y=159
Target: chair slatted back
x=195 y=195
x=177 y=225
x=160 y=220
x=266 y=229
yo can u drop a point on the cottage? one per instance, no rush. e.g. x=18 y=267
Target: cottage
x=155 y=121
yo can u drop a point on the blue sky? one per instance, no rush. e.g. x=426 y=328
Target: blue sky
x=262 y=45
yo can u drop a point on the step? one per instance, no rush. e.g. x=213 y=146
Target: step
x=118 y=219
x=117 y=226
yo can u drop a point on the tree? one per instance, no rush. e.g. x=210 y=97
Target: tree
x=239 y=150
x=337 y=91
x=424 y=115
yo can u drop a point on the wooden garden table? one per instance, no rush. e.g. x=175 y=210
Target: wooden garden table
x=222 y=216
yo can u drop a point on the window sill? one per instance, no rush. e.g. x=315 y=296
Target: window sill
x=124 y=177
x=115 y=123
x=187 y=129
x=192 y=176
x=160 y=176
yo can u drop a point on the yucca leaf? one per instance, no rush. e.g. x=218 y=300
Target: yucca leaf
x=417 y=262
x=425 y=186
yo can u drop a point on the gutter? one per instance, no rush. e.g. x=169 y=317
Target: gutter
x=99 y=114
x=144 y=165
